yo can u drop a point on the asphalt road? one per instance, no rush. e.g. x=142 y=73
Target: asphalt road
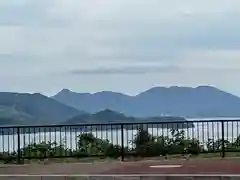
x=196 y=167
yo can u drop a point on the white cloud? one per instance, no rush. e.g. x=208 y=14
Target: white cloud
x=41 y=41
x=11 y=40
x=222 y=59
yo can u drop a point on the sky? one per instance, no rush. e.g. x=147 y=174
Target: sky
x=119 y=45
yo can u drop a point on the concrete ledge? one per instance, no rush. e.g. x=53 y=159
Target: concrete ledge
x=143 y=178
x=188 y=177
x=204 y=177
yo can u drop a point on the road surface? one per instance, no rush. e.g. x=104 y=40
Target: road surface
x=195 y=167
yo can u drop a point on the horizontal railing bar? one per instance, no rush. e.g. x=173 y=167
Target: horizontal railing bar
x=124 y=123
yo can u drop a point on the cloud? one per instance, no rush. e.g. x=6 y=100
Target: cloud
x=29 y=13
x=156 y=69
x=127 y=70
x=185 y=42
x=133 y=30
x=212 y=59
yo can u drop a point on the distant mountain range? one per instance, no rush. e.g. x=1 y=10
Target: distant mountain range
x=111 y=107
x=202 y=101
x=34 y=109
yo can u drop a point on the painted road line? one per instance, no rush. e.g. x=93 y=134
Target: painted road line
x=166 y=166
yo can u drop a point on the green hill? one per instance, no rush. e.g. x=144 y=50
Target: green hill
x=24 y=108
x=9 y=115
x=107 y=117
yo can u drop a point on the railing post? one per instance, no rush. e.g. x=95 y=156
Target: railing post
x=122 y=138
x=18 y=146
x=223 y=140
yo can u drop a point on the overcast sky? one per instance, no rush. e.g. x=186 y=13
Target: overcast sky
x=120 y=45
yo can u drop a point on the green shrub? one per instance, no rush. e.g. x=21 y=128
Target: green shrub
x=143 y=144
x=147 y=145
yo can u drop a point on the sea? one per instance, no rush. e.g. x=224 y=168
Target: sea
x=202 y=131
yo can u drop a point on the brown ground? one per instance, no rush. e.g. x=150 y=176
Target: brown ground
x=200 y=166
x=195 y=166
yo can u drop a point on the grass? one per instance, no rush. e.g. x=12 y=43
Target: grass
x=99 y=159
x=217 y=155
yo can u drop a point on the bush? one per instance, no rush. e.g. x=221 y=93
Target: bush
x=194 y=147
x=9 y=158
x=90 y=145
x=143 y=144
x=113 y=151
x=147 y=145
x=43 y=150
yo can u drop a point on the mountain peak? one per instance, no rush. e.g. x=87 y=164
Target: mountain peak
x=107 y=111
x=108 y=114
x=65 y=91
x=206 y=87
x=159 y=89
x=38 y=94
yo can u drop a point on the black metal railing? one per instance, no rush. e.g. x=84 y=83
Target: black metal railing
x=119 y=140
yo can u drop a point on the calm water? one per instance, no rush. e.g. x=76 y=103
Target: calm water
x=201 y=131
